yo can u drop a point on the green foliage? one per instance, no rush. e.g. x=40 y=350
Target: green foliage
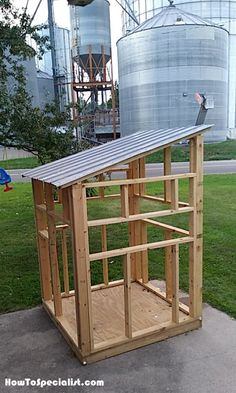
x=47 y=133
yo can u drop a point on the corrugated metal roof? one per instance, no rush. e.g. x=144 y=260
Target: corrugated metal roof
x=86 y=164
x=172 y=16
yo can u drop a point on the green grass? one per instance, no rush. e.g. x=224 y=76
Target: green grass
x=19 y=278
x=20 y=163
x=214 y=151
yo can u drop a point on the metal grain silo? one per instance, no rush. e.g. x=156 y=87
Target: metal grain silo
x=91 y=35
x=30 y=74
x=163 y=63
x=222 y=12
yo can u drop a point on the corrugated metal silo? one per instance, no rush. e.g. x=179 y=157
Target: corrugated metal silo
x=30 y=73
x=91 y=35
x=222 y=12
x=163 y=63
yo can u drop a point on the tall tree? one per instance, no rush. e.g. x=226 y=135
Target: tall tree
x=21 y=125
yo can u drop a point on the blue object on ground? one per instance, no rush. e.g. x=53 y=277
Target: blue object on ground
x=5 y=178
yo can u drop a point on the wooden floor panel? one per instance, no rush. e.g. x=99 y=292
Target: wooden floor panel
x=148 y=310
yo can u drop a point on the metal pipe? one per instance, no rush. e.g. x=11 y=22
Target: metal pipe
x=53 y=49
x=131 y=14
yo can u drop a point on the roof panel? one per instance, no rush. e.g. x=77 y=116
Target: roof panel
x=88 y=163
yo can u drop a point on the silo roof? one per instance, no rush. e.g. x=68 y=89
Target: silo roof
x=172 y=16
x=88 y=163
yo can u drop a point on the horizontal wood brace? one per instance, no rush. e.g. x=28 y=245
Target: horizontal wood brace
x=166 y=226
x=160 y=328
x=157 y=291
x=44 y=233
x=136 y=217
x=112 y=196
x=159 y=199
x=58 y=216
x=97 y=287
x=62 y=227
x=118 y=169
x=142 y=247
x=138 y=180
x=43 y=208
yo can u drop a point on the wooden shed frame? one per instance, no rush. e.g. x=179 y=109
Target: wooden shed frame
x=117 y=316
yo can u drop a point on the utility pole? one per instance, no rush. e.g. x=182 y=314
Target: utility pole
x=53 y=49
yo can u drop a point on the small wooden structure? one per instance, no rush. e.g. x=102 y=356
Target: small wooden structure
x=112 y=317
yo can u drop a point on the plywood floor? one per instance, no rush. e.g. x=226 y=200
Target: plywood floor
x=148 y=310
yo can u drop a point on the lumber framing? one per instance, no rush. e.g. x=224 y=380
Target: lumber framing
x=112 y=317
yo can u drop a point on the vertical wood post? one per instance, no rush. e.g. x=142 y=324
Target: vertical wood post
x=174 y=194
x=124 y=200
x=65 y=203
x=175 y=283
x=81 y=264
x=53 y=250
x=137 y=224
x=168 y=265
x=127 y=296
x=43 y=252
x=131 y=225
x=65 y=261
x=142 y=174
x=167 y=171
x=101 y=177
x=196 y=227
x=144 y=254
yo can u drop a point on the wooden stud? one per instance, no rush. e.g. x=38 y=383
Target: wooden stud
x=142 y=247
x=136 y=181
x=174 y=194
x=136 y=217
x=60 y=195
x=43 y=252
x=101 y=178
x=53 y=250
x=112 y=196
x=127 y=296
x=137 y=224
x=81 y=263
x=168 y=265
x=160 y=200
x=124 y=201
x=162 y=294
x=65 y=203
x=105 y=260
x=175 y=283
x=167 y=171
x=131 y=224
x=142 y=174
x=65 y=261
x=196 y=228
x=163 y=226
x=144 y=254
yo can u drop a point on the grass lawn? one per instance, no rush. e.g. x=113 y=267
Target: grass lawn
x=19 y=279
x=20 y=163
x=214 y=151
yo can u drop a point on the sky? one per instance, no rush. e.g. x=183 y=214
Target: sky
x=61 y=12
